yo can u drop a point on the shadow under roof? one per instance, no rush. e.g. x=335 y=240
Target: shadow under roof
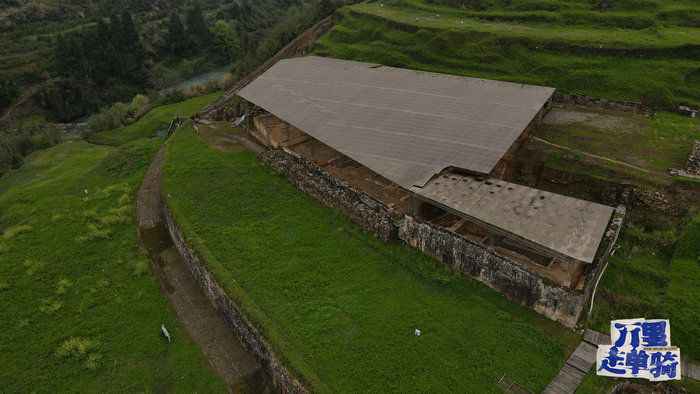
x=404 y=125
x=569 y=227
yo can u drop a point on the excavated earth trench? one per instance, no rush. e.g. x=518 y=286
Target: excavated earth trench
x=222 y=348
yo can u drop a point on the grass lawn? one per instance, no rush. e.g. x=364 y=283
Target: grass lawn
x=654 y=276
x=155 y=121
x=656 y=144
x=81 y=311
x=340 y=306
x=576 y=56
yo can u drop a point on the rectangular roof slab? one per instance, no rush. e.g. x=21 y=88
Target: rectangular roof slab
x=404 y=125
x=567 y=226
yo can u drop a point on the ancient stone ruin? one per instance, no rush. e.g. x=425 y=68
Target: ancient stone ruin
x=422 y=158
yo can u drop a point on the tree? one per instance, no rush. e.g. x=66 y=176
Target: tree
x=604 y=5
x=8 y=93
x=176 y=40
x=326 y=7
x=69 y=58
x=105 y=52
x=197 y=27
x=131 y=49
x=225 y=40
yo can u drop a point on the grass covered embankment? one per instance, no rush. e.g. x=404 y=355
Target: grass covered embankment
x=622 y=54
x=613 y=147
x=80 y=309
x=643 y=282
x=339 y=306
x=155 y=121
x=645 y=279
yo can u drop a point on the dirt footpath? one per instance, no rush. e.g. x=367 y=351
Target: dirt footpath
x=205 y=326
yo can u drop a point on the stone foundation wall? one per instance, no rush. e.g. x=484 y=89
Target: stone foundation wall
x=588 y=101
x=367 y=212
x=460 y=254
x=498 y=272
x=251 y=338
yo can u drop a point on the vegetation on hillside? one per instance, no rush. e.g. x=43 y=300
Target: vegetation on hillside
x=81 y=310
x=641 y=50
x=154 y=123
x=91 y=61
x=655 y=274
x=29 y=135
x=655 y=144
x=339 y=306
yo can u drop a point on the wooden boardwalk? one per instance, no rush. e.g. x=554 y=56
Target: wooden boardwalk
x=576 y=368
x=584 y=358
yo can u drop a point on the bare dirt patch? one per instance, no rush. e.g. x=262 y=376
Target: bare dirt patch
x=594 y=118
x=220 y=136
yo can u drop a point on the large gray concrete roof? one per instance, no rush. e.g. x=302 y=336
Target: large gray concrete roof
x=567 y=226
x=404 y=125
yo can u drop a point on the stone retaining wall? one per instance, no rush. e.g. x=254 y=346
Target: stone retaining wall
x=251 y=338
x=498 y=272
x=508 y=276
x=367 y=212
x=460 y=254
x=588 y=101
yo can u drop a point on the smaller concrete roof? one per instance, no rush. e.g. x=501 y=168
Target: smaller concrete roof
x=566 y=226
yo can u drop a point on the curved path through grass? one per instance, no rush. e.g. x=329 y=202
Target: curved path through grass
x=80 y=308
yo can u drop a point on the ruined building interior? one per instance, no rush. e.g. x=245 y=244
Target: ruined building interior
x=434 y=147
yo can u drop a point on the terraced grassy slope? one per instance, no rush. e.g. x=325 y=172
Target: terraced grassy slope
x=155 y=121
x=647 y=50
x=340 y=306
x=643 y=282
x=80 y=309
x=654 y=144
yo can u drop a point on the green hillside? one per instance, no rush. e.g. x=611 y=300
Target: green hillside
x=81 y=310
x=636 y=50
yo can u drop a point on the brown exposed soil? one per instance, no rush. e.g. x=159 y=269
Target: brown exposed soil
x=355 y=174
x=238 y=368
x=219 y=135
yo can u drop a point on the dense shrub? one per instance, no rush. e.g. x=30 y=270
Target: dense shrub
x=17 y=143
x=471 y=4
x=660 y=98
x=8 y=93
x=633 y=5
x=140 y=104
x=170 y=97
x=681 y=17
x=535 y=5
x=109 y=118
x=608 y=20
x=68 y=99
